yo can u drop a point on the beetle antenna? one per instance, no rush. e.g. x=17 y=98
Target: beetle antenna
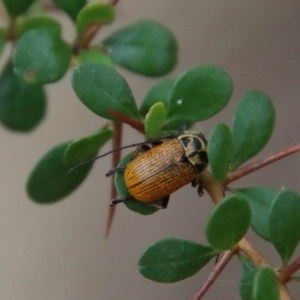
x=109 y=152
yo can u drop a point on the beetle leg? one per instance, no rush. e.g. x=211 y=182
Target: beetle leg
x=164 y=203
x=112 y=171
x=117 y=201
x=200 y=187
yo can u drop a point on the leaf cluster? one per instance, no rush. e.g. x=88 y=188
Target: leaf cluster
x=41 y=56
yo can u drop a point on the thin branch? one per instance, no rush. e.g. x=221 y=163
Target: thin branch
x=116 y=157
x=239 y=173
x=215 y=189
x=215 y=273
x=88 y=36
x=139 y=126
x=287 y=272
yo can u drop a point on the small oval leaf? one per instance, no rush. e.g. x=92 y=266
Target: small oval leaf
x=228 y=222
x=22 y=106
x=160 y=92
x=17 y=7
x=101 y=88
x=154 y=120
x=49 y=181
x=94 y=56
x=41 y=56
x=131 y=203
x=87 y=147
x=94 y=13
x=71 y=8
x=172 y=260
x=200 y=93
x=145 y=47
x=252 y=126
x=285 y=223
x=260 y=199
x=38 y=22
x=220 y=150
x=246 y=283
x=265 y=285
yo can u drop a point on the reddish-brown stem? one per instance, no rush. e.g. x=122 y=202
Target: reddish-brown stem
x=89 y=34
x=287 y=272
x=215 y=273
x=116 y=156
x=139 y=126
x=235 y=175
x=114 y=2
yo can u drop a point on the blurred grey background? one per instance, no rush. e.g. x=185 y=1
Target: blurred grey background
x=59 y=251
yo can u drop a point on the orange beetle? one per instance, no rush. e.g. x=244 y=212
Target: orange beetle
x=155 y=173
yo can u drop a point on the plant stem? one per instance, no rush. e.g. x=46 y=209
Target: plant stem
x=287 y=272
x=116 y=157
x=215 y=189
x=88 y=36
x=139 y=126
x=215 y=273
x=239 y=173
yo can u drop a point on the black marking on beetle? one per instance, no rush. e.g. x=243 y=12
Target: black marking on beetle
x=200 y=167
x=203 y=156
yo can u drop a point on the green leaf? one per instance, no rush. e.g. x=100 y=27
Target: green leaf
x=170 y=260
x=94 y=13
x=101 y=88
x=154 y=120
x=70 y=7
x=38 y=22
x=131 y=203
x=145 y=47
x=160 y=92
x=94 y=56
x=2 y=39
x=87 y=147
x=228 y=222
x=260 y=199
x=285 y=223
x=220 y=150
x=252 y=127
x=199 y=93
x=17 y=7
x=49 y=181
x=246 y=283
x=265 y=285
x=41 y=57
x=22 y=106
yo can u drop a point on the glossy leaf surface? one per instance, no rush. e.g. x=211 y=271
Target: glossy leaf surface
x=22 y=106
x=38 y=22
x=17 y=7
x=94 y=56
x=220 y=150
x=265 y=285
x=199 y=93
x=160 y=92
x=87 y=147
x=172 y=260
x=70 y=7
x=94 y=13
x=260 y=199
x=252 y=127
x=285 y=223
x=41 y=56
x=49 y=181
x=228 y=222
x=246 y=283
x=154 y=120
x=101 y=88
x=145 y=47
